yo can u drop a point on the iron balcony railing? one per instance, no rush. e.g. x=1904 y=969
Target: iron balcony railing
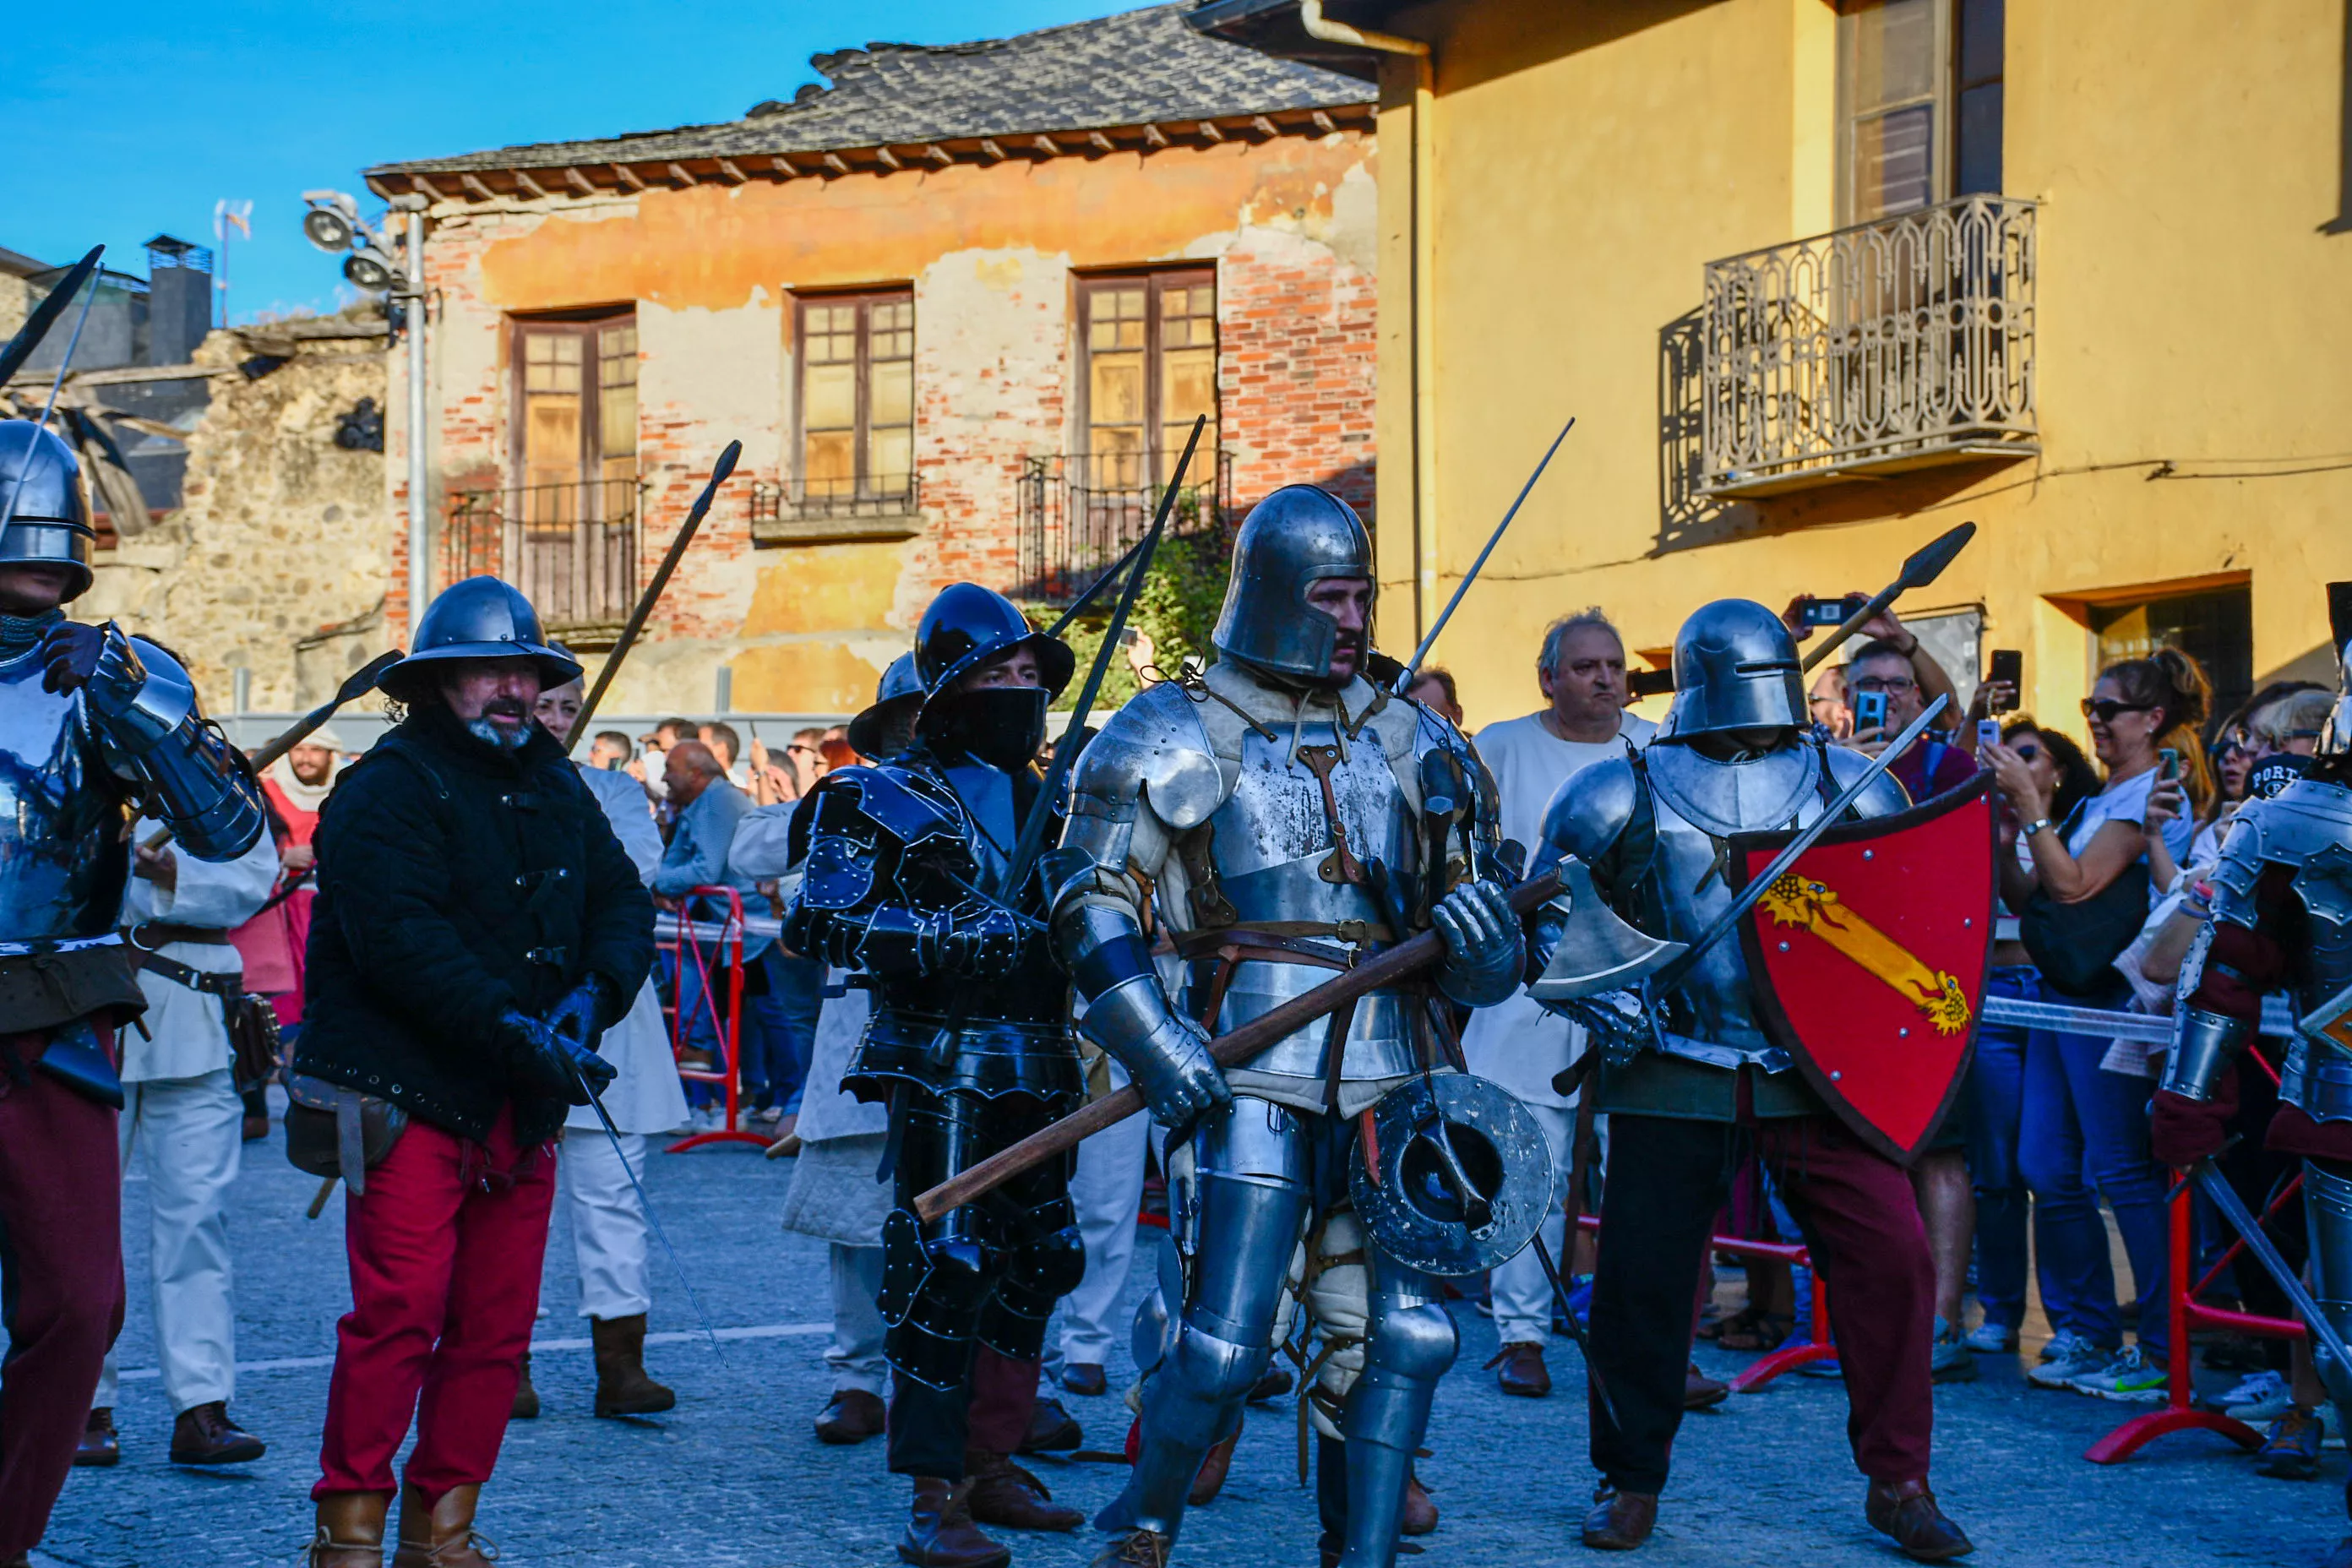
x=1900 y=342
x=789 y=500
x=1080 y=512
x=571 y=548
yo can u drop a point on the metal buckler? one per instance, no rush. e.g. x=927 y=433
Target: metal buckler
x=555 y=956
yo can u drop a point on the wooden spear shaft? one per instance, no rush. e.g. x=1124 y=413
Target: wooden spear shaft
x=1387 y=969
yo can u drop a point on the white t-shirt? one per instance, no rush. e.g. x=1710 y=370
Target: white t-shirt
x=2127 y=802
x=1516 y=1042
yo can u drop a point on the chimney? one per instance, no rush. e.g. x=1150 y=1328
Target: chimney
x=179 y=299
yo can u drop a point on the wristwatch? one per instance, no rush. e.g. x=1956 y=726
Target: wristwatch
x=2034 y=826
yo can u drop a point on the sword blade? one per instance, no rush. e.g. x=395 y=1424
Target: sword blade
x=1576 y=1330
x=652 y=1219
x=1404 y=679
x=2324 y=1336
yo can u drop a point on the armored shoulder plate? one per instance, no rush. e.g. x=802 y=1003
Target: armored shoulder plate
x=1884 y=797
x=1586 y=813
x=2307 y=826
x=1152 y=751
x=908 y=806
x=1753 y=794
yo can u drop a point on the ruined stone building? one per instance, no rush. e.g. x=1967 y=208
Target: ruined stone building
x=961 y=306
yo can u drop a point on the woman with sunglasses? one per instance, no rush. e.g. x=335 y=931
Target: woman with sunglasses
x=2083 y=1129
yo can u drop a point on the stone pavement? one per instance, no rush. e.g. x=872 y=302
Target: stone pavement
x=733 y=1476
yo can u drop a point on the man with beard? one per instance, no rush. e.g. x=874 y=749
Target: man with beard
x=1274 y=806
x=92 y=722
x=477 y=928
x=969 y=1045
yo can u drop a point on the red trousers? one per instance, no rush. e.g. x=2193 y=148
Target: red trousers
x=60 y=1279
x=445 y=1254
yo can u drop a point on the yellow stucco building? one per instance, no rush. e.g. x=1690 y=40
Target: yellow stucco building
x=1818 y=281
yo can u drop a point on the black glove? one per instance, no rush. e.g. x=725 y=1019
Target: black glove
x=575 y=1017
x=69 y=656
x=551 y=1065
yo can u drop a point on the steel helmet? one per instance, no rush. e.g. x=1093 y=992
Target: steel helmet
x=884 y=729
x=480 y=618
x=1735 y=669
x=40 y=478
x=1291 y=539
x=966 y=627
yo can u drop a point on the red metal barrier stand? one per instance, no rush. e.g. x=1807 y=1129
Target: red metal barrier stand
x=729 y=950
x=1788 y=1358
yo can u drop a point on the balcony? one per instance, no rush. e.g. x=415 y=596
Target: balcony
x=571 y=549
x=1902 y=343
x=1080 y=512
x=802 y=511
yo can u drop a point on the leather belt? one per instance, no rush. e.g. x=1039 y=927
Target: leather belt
x=153 y=935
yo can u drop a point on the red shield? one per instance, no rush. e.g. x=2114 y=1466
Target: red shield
x=1869 y=958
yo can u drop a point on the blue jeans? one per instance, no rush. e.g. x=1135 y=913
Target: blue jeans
x=780 y=1030
x=2082 y=1136
x=702 y=1020
x=1997 y=1098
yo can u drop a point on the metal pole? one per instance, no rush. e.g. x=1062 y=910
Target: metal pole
x=420 y=577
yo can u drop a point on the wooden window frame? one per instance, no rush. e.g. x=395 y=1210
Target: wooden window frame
x=864 y=299
x=588 y=325
x=1943 y=99
x=1156 y=280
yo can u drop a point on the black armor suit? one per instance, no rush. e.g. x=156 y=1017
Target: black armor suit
x=1286 y=819
x=969 y=1041
x=2282 y=920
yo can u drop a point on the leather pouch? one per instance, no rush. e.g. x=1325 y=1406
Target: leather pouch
x=332 y=1130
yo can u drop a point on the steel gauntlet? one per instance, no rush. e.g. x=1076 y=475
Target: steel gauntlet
x=1484 y=950
x=1165 y=1052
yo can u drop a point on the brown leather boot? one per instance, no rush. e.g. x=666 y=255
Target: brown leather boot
x=1701 y=1391
x=1000 y=1492
x=1906 y=1510
x=1420 y=1514
x=441 y=1536
x=99 y=1444
x=350 y=1531
x=940 y=1533
x=526 y=1399
x=1620 y=1521
x=1211 y=1479
x=851 y=1416
x=621 y=1386
x=1524 y=1373
x=204 y=1434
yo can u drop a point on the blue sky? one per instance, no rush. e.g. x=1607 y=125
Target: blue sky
x=135 y=117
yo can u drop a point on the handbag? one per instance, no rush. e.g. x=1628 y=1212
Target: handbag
x=332 y=1130
x=2075 y=945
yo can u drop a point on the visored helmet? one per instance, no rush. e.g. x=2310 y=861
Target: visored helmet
x=966 y=627
x=41 y=477
x=885 y=729
x=480 y=618
x=1735 y=669
x=1293 y=538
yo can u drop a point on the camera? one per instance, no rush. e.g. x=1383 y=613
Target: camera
x=1813 y=612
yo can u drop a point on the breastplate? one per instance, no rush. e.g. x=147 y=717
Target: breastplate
x=2312 y=823
x=1278 y=865
x=1698 y=804
x=63 y=863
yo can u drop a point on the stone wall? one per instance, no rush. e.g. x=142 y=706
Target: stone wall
x=278 y=559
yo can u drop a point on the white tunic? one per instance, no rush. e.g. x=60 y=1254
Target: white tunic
x=181 y=1035
x=646 y=1096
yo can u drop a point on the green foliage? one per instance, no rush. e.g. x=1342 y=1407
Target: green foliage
x=1176 y=609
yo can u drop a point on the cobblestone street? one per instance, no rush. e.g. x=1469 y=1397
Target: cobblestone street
x=733 y=1475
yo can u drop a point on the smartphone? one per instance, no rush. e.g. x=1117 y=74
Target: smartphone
x=2008 y=664
x=2168 y=763
x=1988 y=732
x=1830 y=612
x=1869 y=710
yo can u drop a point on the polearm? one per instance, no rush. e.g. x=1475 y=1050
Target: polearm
x=1404 y=677
x=1399 y=963
x=356 y=685
x=44 y=316
x=651 y=596
x=1093 y=591
x=1924 y=565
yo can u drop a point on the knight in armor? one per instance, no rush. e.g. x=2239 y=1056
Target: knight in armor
x=97 y=728
x=904 y=862
x=2280 y=901
x=1289 y=819
x=1696 y=1089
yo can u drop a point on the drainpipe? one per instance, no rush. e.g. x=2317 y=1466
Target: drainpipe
x=420 y=577
x=1419 y=241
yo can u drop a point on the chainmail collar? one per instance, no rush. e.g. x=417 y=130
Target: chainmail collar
x=19 y=633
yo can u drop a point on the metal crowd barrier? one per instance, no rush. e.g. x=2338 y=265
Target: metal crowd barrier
x=686 y=940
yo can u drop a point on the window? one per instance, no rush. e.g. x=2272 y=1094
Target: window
x=856 y=397
x=1920 y=94
x=2214 y=626
x=579 y=393
x=1149 y=347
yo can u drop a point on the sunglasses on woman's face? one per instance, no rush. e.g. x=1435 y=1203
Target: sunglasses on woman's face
x=2027 y=751
x=2105 y=708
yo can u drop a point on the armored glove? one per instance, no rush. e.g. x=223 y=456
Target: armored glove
x=547 y=1063
x=1180 y=1080
x=1483 y=948
x=1614 y=1023
x=991 y=941
x=101 y=657
x=575 y=1017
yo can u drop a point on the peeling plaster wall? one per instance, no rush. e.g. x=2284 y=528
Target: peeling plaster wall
x=281 y=535
x=990 y=255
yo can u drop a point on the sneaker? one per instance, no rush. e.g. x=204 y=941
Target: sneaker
x=1829 y=1368
x=2068 y=1345
x=2128 y=1376
x=1991 y=1339
x=2082 y=1358
x=1948 y=1359
x=2259 y=1396
x=2290 y=1449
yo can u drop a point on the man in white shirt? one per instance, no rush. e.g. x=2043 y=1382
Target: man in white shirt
x=1581 y=669
x=183 y=1114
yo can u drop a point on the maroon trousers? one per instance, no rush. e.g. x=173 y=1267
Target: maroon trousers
x=1667 y=1178
x=445 y=1254
x=60 y=1279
